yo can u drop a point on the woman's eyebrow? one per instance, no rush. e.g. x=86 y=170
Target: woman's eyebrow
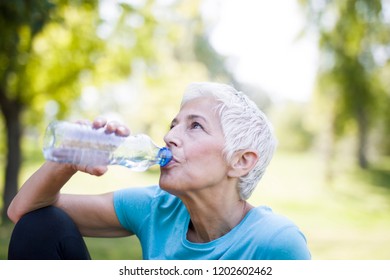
x=190 y=117
x=193 y=116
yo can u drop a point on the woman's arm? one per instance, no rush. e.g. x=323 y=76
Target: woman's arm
x=41 y=189
x=93 y=214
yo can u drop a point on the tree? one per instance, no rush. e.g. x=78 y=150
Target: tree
x=20 y=23
x=351 y=34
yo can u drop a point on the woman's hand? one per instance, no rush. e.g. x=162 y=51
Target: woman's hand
x=109 y=127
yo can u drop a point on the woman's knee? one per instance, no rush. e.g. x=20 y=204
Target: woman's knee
x=47 y=233
x=45 y=221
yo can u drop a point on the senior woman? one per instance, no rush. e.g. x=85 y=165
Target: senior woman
x=221 y=145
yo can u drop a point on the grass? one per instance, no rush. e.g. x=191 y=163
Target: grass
x=348 y=218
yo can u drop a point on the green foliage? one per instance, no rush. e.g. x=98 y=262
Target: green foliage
x=353 y=35
x=46 y=47
x=291 y=127
x=178 y=53
x=76 y=45
x=63 y=55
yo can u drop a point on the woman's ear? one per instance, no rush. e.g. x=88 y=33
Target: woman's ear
x=242 y=163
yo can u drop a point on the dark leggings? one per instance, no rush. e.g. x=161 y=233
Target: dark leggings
x=47 y=234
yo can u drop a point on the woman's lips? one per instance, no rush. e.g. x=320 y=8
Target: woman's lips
x=172 y=162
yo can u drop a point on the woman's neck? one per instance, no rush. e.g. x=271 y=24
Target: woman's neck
x=213 y=219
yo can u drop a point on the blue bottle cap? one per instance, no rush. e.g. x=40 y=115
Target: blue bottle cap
x=165 y=156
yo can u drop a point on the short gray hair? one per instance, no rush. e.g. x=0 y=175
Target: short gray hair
x=244 y=126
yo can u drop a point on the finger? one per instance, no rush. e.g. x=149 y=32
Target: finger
x=122 y=131
x=112 y=126
x=96 y=170
x=92 y=170
x=99 y=122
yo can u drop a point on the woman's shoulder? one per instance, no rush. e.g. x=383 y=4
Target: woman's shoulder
x=268 y=225
x=279 y=233
x=265 y=214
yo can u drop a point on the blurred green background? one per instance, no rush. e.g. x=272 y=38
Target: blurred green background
x=131 y=60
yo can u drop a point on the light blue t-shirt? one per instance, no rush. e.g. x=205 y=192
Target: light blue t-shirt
x=160 y=221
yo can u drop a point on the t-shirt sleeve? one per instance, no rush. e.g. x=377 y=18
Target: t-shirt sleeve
x=132 y=206
x=289 y=244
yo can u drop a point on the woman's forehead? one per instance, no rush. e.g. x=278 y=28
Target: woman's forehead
x=203 y=106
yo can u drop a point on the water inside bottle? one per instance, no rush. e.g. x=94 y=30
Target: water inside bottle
x=78 y=144
x=134 y=164
x=77 y=156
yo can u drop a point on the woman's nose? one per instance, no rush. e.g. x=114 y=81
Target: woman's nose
x=172 y=137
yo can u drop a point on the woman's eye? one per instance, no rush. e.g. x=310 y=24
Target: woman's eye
x=196 y=125
x=171 y=126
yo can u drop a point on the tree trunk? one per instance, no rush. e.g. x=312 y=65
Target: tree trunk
x=362 y=138
x=329 y=148
x=11 y=111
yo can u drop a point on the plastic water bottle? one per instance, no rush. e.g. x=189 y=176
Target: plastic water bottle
x=80 y=144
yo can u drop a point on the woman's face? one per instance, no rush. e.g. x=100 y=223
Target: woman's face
x=196 y=140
